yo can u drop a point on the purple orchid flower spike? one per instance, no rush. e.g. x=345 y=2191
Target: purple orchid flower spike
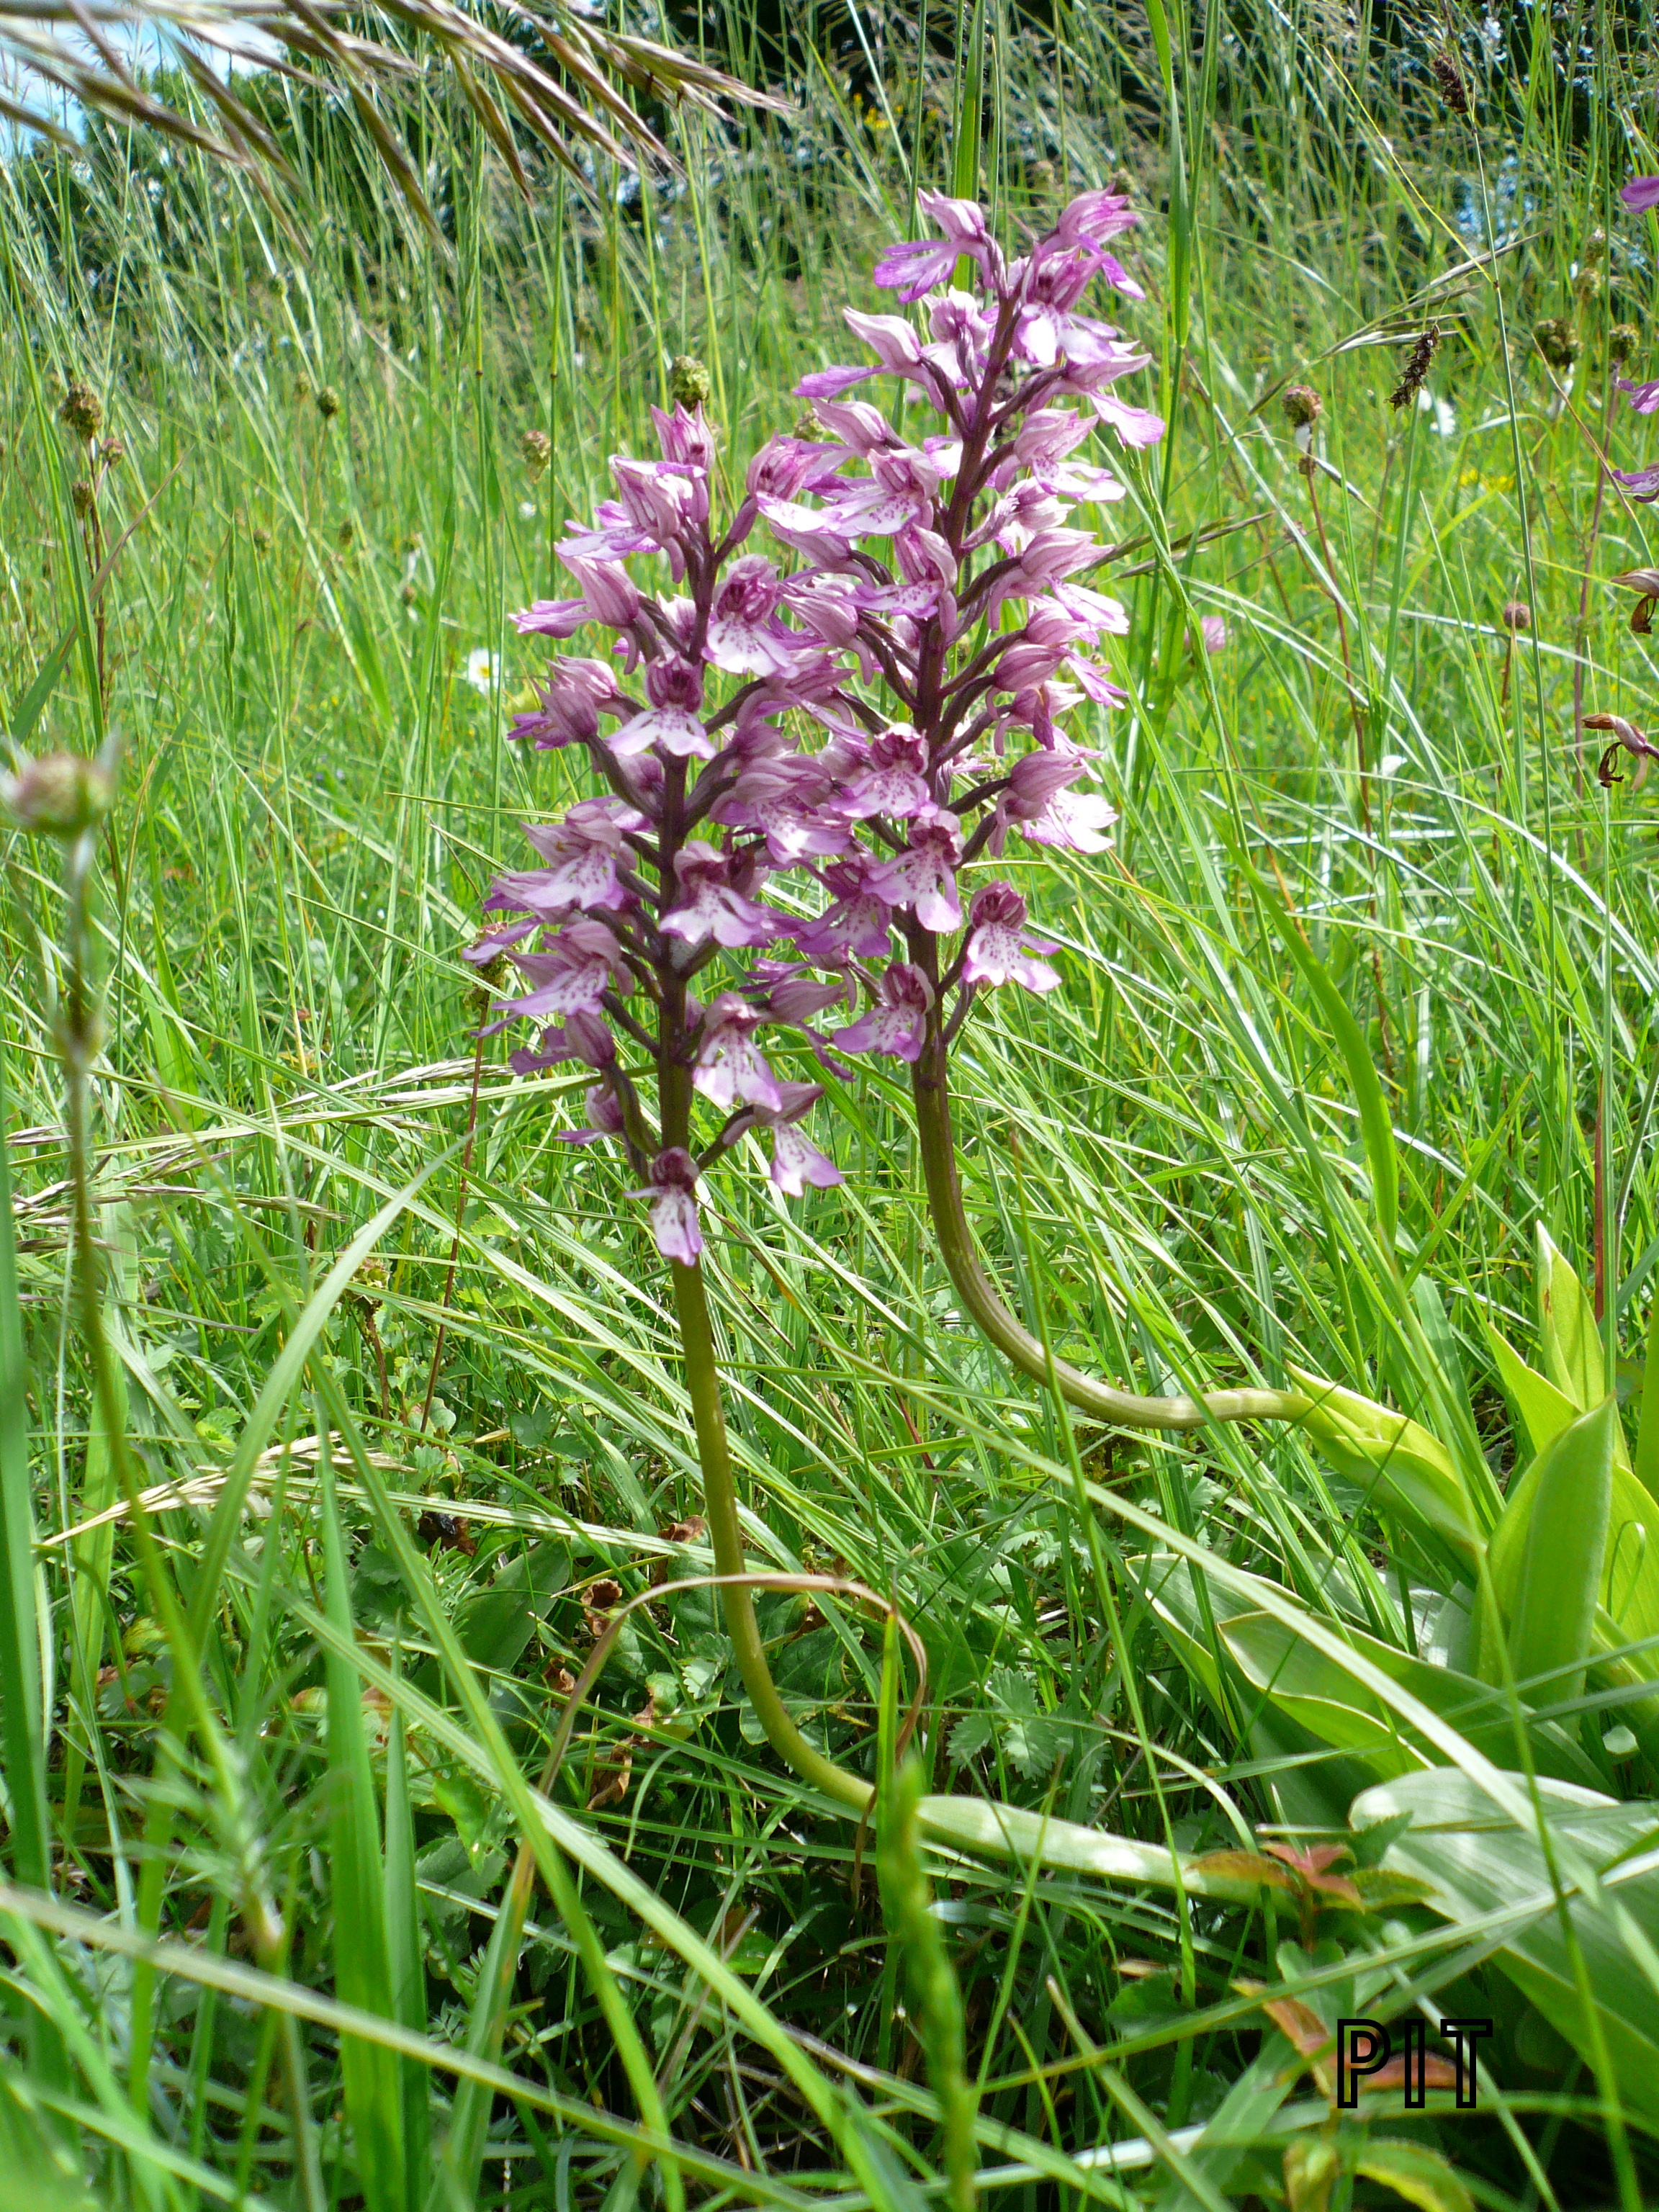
x=811 y=746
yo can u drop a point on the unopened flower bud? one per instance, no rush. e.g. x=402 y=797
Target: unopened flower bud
x=1644 y=582
x=328 y=403
x=1558 y=340
x=82 y=498
x=1302 y=406
x=689 y=384
x=536 y=448
x=81 y=410
x=59 y=794
x=1622 y=342
x=1515 y=615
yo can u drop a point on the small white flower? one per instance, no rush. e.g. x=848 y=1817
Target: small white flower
x=1391 y=763
x=483 y=670
x=527 y=510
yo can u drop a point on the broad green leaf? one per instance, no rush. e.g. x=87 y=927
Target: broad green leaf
x=1569 y=1334
x=1547 y=1556
x=1414 y=2171
x=1403 y=1469
x=1318 y=1691
x=1478 y=1862
x=1541 y=1410
x=495 y=1626
x=1647 y=1433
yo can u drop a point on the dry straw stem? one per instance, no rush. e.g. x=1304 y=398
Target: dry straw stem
x=568 y=99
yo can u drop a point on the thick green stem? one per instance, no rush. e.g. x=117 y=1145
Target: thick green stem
x=1124 y=1408
x=725 y=1533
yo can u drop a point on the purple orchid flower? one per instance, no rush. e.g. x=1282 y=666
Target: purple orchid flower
x=998 y=950
x=814 y=718
x=674 y=1224
x=1640 y=194
x=898 y=1023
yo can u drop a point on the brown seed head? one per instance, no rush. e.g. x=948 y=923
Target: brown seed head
x=328 y=403
x=1622 y=342
x=689 y=384
x=1559 y=340
x=112 y=452
x=261 y=540
x=81 y=410
x=1515 y=615
x=1417 y=367
x=59 y=794
x=1449 y=78
x=1302 y=406
x=82 y=497
x=536 y=449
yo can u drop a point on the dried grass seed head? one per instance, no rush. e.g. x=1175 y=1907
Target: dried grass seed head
x=536 y=449
x=1449 y=78
x=1417 y=367
x=1516 y=615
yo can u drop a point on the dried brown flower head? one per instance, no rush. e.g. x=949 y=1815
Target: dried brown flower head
x=82 y=497
x=1417 y=367
x=81 y=410
x=1622 y=342
x=59 y=794
x=328 y=403
x=1515 y=615
x=1302 y=406
x=1557 y=339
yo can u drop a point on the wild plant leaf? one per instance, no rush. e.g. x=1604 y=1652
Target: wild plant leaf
x=1403 y=1469
x=1479 y=1864
x=1569 y=1334
x=1315 y=1691
x=1415 y=2172
x=1548 y=1557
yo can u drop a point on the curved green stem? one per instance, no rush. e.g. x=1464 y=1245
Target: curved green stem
x=726 y=1534
x=930 y=1088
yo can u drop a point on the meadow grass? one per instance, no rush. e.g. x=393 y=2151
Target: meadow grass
x=406 y=1362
